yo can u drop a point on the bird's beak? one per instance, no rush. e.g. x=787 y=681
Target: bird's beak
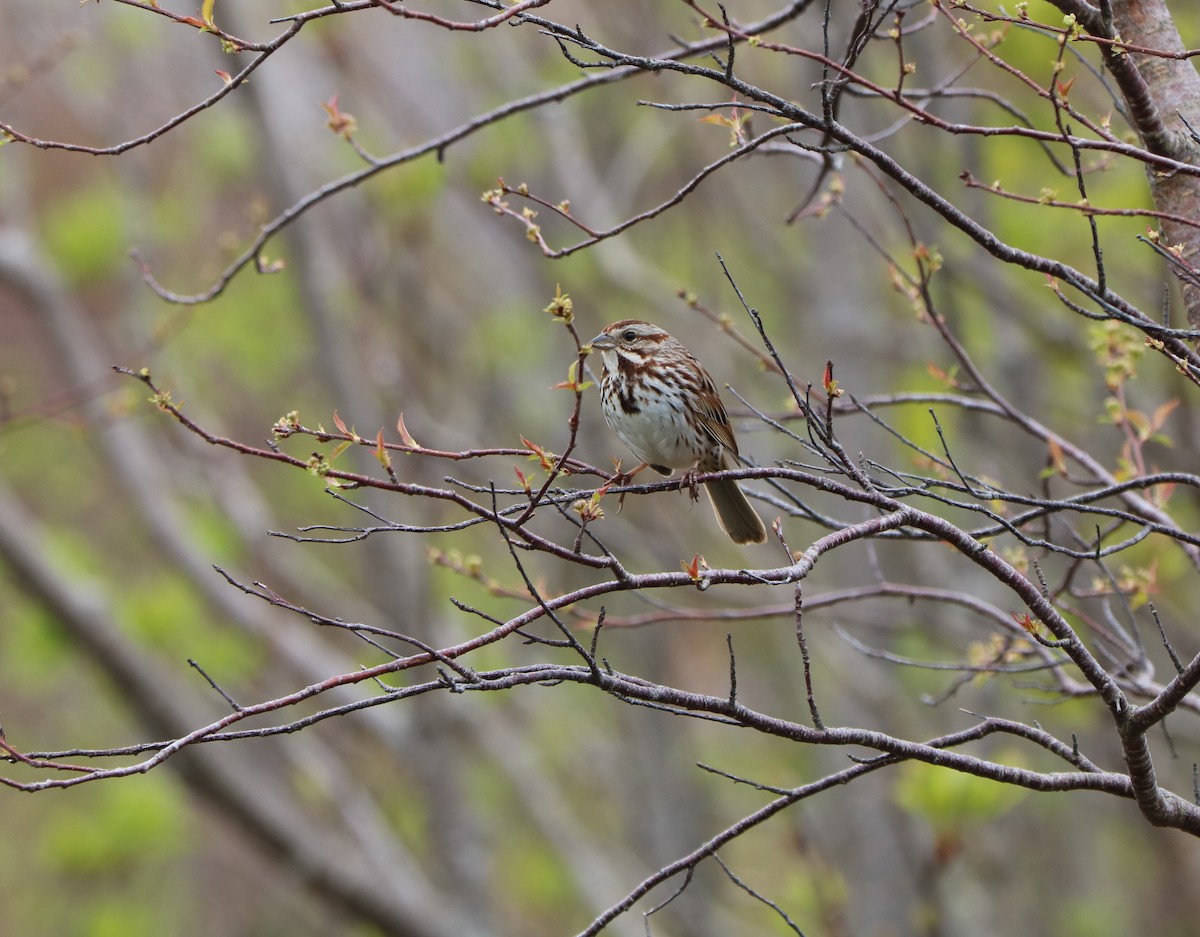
x=603 y=342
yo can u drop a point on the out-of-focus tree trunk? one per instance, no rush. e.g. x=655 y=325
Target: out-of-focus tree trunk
x=1171 y=89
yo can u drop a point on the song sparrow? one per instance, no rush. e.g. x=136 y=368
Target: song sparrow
x=665 y=407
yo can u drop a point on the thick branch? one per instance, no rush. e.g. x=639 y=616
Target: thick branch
x=1163 y=96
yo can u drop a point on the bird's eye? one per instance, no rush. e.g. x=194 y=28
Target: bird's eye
x=629 y=335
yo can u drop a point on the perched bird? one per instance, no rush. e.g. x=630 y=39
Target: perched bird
x=665 y=408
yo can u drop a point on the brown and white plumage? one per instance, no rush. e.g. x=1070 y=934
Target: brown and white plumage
x=664 y=406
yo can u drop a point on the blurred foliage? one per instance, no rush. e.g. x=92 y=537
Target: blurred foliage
x=165 y=614
x=954 y=803
x=83 y=231
x=33 y=650
x=123 y=825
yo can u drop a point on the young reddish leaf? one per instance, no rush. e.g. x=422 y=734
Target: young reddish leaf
x=405 y=435
x=1161 y=413
x=1058 y=458
x=695 y=568
x=384 y=457
x=1161 y=494
x=572 y=382
x=1028 y=622
x=538 y=454
x=225 y=76
x=523 y=479
x=827 y=381
x=340 y=122
x=337 y=421
x=943 y=376
x=735 y=122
